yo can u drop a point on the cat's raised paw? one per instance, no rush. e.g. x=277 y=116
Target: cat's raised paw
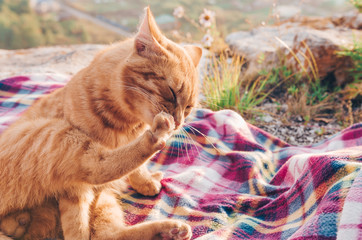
x=162 y=127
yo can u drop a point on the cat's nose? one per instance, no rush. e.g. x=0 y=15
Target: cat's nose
x=177 y=124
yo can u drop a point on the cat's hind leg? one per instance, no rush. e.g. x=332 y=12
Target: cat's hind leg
x=74 y=209
x=106 y=216
x=45 y=222
x=107 y=224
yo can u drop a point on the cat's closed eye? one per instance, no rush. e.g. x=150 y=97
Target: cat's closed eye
x=188 y=110
x=174 y=95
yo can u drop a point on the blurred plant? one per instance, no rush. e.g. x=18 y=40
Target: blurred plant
x=351 y=94
x=313 y=75
x=207 y=40
x=355 y=53
x=310 y=101
x=316 y=92
x=207 y=18
x=357 y=4
x=179 y=12
x=298 y=105
x=221 y=87
x=293 y=90
x=21 y=27
x=308 y=96
x=281 y=74
x=345 y=114
x=212 y=38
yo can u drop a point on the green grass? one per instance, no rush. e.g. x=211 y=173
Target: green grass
x=224 y=88
x=357 y=4
x=316 y=93
x=355 y=53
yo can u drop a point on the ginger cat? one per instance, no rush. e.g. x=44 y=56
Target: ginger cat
x=63 y=160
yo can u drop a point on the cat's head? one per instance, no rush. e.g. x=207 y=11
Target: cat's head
x=160 y=75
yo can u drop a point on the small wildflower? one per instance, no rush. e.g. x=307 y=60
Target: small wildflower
x=207 y=40
x=176 y=34
x=206 y=18
x=179 y=12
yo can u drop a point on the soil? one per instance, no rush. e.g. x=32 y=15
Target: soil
x=295 y=131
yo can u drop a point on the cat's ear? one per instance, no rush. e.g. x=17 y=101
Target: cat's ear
x=194 y=52
x=149 y=36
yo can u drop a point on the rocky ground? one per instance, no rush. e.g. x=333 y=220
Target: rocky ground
x=295 y=131
x=299 y=134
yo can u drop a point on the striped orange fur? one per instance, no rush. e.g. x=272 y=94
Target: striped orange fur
x=63 y=160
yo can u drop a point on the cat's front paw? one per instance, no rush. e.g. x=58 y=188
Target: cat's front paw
x=162 y=127
x=150 y=186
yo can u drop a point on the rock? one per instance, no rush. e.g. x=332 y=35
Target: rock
x=267 y=118
x=65 y=60
x=292 y=42
x=348 y=20
x=299 y=119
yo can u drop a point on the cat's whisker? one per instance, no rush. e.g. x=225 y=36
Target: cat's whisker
x=178 y=146
x=187 y=137
x=186 y=143
x=171 y=145
x=206 y=137
x=189 y=143
x=193 y=142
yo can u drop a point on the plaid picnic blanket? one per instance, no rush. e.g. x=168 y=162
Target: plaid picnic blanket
x=230 y=180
